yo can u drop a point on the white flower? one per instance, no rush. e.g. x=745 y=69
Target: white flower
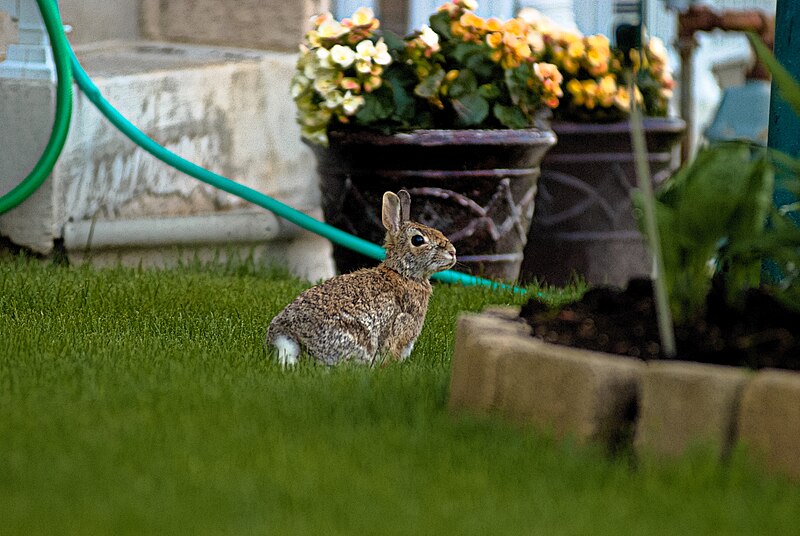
x=333 y=99
x=364 y=66
x=299 y=84
x=324 y=58
x=310 y=70
x=472 y=5
x=330 y=29
x=316 y=135
x=657 y=49
x=342 y=55
x=325 y=85
x=365 y=50
x=429 y=37
x=363 y=16
x=351 y=103
x=381 y=54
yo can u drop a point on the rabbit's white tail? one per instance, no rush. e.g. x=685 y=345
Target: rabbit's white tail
x=288 y=350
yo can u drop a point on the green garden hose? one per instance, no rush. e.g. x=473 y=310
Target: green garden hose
x=58 y=135
x=64 y=55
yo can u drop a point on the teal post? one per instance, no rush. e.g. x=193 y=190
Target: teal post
x=784 y=125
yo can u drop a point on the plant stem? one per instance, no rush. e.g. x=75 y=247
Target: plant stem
x=663 y=314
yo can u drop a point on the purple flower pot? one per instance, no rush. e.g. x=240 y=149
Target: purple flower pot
x=476 y=186
x=584 y=221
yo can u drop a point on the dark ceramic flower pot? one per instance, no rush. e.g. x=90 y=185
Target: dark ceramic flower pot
x=584 y=221
x=476 y=186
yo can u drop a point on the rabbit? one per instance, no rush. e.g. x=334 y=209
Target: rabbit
x=371 y=314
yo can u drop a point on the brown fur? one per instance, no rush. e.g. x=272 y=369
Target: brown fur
x=372 y=313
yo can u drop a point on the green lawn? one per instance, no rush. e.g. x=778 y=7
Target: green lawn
x=143 y=402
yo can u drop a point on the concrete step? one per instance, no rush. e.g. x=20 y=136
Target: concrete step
x=225 y=109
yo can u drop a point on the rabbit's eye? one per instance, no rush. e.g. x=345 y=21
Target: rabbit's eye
x=417 y=240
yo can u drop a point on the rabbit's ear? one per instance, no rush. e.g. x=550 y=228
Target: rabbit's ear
x=405 y=205
x=391 y=211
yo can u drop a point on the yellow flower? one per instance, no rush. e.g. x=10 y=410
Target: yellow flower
x=451 y=75
x=471 y=20
x=515 y=26
x=494 y=25
x=597 y=62
x=590 y=93
x=622 y=99
x=575 y=89
x=567 y=37
x=607 y=91
x=494 y=40
x=576 y=50
x=599 y=42
x=570 y=65
x=522 y=50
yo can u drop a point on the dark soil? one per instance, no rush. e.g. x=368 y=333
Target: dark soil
x=765 y=333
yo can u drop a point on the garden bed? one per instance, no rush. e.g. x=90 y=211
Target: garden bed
x=669 y=406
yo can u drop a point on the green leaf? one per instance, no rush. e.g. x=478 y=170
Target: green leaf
x=401 y=82
x=429 y=87
x=470 y=110
x=510 y=116
x=516 y=82
x=377 y=107
x=750 y=218
x=464 y=84
x=489 y=91
x=462 y=51
x=787 y=85
x=393 y=41
x=481 y=65
x=440 y=23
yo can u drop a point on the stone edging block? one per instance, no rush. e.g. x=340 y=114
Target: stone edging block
x=570 y=392
x=769 y=421
x=684 y=404
x=473 y=377
x=590 y=396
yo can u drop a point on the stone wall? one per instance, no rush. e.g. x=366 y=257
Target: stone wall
x=261 y=24
x=8 y=33
x=101 y=20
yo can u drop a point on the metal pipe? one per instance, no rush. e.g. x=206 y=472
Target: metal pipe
x=213 y=229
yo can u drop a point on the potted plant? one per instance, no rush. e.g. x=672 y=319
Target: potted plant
x=452 y=113
x=584 y=220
